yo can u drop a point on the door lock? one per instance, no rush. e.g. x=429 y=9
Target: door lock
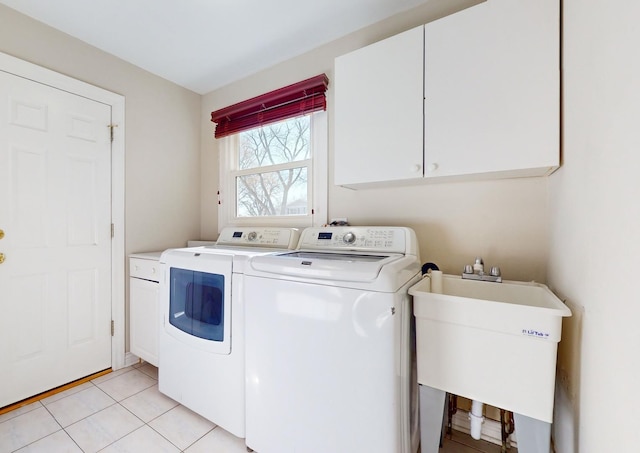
x=1 y=258
x=1 y=234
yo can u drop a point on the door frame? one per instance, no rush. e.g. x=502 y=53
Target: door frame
x=21 y=68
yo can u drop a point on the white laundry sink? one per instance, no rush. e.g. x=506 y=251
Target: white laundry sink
x=491 y=342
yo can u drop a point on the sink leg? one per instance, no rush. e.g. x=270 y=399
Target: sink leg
x=534 y=436
x=432 y=410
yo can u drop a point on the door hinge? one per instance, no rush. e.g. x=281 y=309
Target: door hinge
x=113 y=327
x=113 y=229
x=111 y=128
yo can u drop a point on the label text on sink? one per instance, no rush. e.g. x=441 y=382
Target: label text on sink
x=535 y=333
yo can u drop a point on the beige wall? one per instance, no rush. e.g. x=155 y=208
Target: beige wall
x=162 y=130
x=162 y=143
x=579 y=227
x=595 y=229
x=503 y=221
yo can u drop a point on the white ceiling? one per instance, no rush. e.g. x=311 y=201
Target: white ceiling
x=206 y=44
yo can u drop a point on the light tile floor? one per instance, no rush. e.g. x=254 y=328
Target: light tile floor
x=124 y=412
x=119 y=412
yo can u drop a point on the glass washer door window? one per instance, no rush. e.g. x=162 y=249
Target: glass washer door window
x=196 y=304
x=276 y=174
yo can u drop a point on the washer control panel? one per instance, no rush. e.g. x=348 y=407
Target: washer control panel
x=382 y=239
x=259 y=237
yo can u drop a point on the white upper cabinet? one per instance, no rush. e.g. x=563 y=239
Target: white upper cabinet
x=492 y=81
x=480 y=88
x=378 y=111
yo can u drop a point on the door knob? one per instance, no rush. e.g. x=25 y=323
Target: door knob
x=1 y=258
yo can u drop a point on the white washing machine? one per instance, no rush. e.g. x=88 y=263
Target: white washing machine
x=201 y=341
x=328 y=344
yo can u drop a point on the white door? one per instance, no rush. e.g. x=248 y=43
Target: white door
x=55 y=217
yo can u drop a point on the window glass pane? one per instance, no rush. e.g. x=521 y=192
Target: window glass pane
x=278 y=143
x=275 y=193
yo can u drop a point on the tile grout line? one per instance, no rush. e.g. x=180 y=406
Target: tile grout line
x=62 y=431
x=195 y=441
x=119 y=403
x=39 y=439
x=62 y=428
x=147 y=423
x=139 y=368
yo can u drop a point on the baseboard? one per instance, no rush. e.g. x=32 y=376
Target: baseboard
x=491 y=430
x=130 y=359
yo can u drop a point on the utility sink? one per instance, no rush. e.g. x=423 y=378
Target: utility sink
x=491 y=342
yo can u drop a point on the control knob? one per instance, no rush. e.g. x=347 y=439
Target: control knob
x=349 y=238
x=252 y=236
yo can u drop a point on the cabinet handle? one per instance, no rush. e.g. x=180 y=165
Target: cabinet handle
x=432 y=167
x=416 y=168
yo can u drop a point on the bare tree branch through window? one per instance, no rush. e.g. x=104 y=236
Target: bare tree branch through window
x=269 y=192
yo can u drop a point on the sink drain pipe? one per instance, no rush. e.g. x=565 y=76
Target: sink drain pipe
x=476 y=418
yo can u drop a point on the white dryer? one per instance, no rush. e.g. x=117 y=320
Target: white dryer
x=328 y=344
x=201 y=341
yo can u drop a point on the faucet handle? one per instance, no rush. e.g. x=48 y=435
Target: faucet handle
x=495 y=271
x=468 y=269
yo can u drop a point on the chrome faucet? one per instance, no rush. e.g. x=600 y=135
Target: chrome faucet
x=476 y=272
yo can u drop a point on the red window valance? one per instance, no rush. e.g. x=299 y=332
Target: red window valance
x=293 y=100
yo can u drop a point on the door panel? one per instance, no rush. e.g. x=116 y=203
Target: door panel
x=55 y=193
x=29 y=341
x=28 y=195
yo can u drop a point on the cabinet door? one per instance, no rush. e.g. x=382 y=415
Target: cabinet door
x=379 y=111
x=144 y=319
x=492 y=90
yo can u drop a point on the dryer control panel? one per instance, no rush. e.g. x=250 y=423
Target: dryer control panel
x=360 y=238
x=286 y=238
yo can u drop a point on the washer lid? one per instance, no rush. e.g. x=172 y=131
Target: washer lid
x=348 y=257
x=351 y=267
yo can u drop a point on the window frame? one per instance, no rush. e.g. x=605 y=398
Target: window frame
x=317 y=186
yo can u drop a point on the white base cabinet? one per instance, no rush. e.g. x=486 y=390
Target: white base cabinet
x=481 y=89
x=144 y=312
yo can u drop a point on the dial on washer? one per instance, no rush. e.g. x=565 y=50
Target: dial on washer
x=349 y=238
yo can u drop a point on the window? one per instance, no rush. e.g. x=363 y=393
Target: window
x=273 y=157
x=272 y=171
x=275 y=174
